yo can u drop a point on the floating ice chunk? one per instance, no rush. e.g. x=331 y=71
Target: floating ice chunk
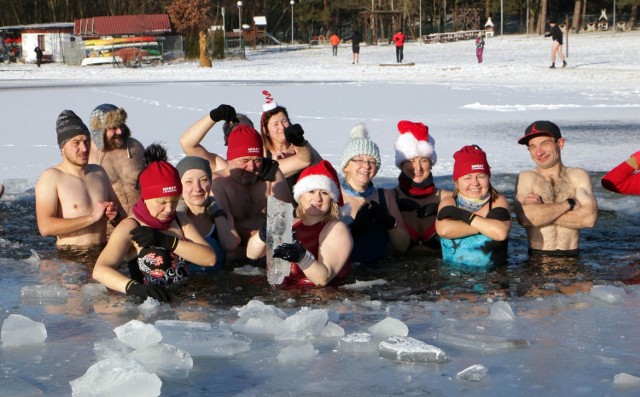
x=111 y=348
x=501 y=311
x=201 y=339
x=34 y=259
x=294 y=353
x=306 y=322
x=258 y=318
x=18 y=330
x=258 y=307
x=15 y=387
x=405 y=348
x=137 y=334
x=149 y=307
x=482 y=342
x=44 y=292
x=332 y=330
x=122 y=377
x=93 y=290
x=608 y=293
x=279 y=221
x=359 y=343
x=624 y=380
x=248 y=270
x=389 y=327
x=473 y=373
x=364 y=284
x=165 y=360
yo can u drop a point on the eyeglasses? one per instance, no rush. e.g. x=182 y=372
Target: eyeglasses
x=361 y=162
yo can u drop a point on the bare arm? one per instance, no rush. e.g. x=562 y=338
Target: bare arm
x=119 y=246
x=303 y=158
x=335 y=249
x=191 y=143
x=495 y=229
x=229 y=237
x=50 y=222
x=529 y=208
x=194 y=247
x=256 y=248
x=279 y=188
x=398 y=236
x=585 y=213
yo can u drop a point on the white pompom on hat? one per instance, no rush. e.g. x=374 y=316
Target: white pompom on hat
x=269 y=103
x=360 y=144
x=321 y=176
x=414 y=141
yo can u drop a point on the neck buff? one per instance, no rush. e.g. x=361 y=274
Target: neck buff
x=471 y=204
x=141 y=212
x=352 y=192
x=416 y=190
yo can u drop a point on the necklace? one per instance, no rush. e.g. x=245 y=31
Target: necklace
x=552 y=189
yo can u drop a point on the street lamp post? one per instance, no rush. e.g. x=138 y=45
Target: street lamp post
x=240 y=17
x=292 y=3
x=420 y=27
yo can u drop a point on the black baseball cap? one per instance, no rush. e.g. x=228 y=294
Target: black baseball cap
x=540 y=128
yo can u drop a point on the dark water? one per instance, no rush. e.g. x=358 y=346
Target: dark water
x=608 y=253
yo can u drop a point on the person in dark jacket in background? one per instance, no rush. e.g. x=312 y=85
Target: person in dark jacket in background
x=556 y=48
x=356 y=38
x=38 y=56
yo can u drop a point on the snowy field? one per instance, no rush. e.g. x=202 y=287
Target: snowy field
x=578 y=342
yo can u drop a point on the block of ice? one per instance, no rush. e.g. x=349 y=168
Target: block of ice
x=202 y=339
x=255 y=307
x=359 y=343
x=389 y=327
x=297 y=352
x=501 y=311
x=93 y=290
x=405 y=348
x=279 y=222
x=18 y=330
x=111 y=348
x=164 y=360
x=15 y=387
x=137 y=334
x=608 y=293
x=487 y=343
x=43 y=294
x=332 y=330
x=473 y=373
x=626 y=381
x=122 y=377
x=248 y=270
x=305 y=322
x=364 y=284
x=259 y=324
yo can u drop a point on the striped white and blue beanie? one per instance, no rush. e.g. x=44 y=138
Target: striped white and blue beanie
x=360 y=144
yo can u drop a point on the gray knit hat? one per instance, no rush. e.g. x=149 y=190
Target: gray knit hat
x=360 y=144
x=193 y=163
x=105 y=116
x=69 y=125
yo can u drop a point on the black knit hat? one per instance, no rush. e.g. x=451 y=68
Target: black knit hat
x=69 y=125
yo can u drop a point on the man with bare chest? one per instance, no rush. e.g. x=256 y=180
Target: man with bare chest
x=553 y=202
x=116 y=151
x=74 y=199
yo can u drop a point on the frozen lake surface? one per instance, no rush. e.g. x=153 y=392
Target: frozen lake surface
x=558 y=335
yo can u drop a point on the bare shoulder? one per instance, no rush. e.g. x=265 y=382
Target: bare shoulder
x=502 y=201
x=95 y=169
x=135 y=146
x=577 y=173
x=335 y=228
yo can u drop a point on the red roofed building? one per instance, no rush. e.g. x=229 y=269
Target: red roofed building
x=144 y=24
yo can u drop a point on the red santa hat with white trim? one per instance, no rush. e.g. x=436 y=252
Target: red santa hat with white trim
x=414 y=141
x=321 y=176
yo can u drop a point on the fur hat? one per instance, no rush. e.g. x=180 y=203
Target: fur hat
x=243 y=141
x=360 y=144
x=69 y=125
x=414 y=141
x=102 y=117
x=468 y=160
x=319 y=176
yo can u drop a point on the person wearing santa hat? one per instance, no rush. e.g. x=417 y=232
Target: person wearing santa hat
x=474 y=222
x=623 y=179
x=285 y=142
x=320 y=252
x=155 y=241
x=372 y=213
x=416 y=194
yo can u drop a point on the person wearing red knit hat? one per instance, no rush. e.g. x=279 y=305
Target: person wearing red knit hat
x=416 y=194
x=320 y=253
x=553 y=202
x=474 y=222
x=155 y=240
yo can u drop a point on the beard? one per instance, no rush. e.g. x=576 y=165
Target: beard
x=119 y=141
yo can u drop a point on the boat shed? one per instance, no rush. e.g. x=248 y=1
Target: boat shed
x=48 y=36
x=123 y=25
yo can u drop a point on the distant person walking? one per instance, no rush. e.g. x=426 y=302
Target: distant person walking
x=334 y=40
x=556 y=47
x=355 y=46
x=479 y=47
x=38 y=52
x=399 y=38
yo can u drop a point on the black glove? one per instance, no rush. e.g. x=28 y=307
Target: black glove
x=145 y=236
x=144 y=291
x=294 y=252
x=224 y=112
x=428 y=210
x=364 y=218
x=455 y=213
x=262 y=232
x=294 y=134
x=382 y=216
x=268 y=170
x=215 y=211
x=407 y=205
